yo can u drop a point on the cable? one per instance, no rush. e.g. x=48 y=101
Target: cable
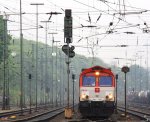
x=109 y=6
x=122 y=5
x=103 y=12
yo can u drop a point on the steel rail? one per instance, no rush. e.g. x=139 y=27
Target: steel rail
x=42 y=116
x=138 y=113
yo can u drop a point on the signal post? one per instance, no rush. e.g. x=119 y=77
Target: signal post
x=69 y=51
x=125 y=69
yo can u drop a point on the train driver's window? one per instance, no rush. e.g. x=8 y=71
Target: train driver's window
x=105 y=81
x=88 y=81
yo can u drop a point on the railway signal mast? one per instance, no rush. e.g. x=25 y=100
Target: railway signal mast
x=125 y=69
x=69 y=52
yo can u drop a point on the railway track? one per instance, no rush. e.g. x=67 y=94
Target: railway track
x=139 y=105
x=51 y=114
x=41 y=111
x=42 y=116
x=137 y=112
x=18 y=111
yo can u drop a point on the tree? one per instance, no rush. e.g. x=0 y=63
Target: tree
x=3 y=34
x=1 y=37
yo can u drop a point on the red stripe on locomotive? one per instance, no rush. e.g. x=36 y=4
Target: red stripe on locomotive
x=103 y=72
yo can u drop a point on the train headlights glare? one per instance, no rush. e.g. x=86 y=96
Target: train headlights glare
x=109 y=97
x=97 y=73
x=84 y=97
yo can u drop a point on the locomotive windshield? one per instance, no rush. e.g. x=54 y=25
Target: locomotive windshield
x=105 y=81
x=88 y=81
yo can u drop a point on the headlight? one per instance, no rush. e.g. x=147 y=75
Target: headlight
x=109 y=97
x=84 y=97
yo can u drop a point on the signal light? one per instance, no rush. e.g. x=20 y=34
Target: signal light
x=97 y=73
x=65 y=49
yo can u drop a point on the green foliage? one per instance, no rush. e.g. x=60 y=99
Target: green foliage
x=1 y=37
x=44 y=84
x=59 y=69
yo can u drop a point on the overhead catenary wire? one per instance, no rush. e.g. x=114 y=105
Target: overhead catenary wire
x=103 y=11
x=119 y=4
x=98 y=24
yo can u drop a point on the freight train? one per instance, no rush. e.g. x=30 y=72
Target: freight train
x=97 y=92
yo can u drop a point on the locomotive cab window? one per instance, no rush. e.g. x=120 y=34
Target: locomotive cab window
x=105 y=81
x=88 y=81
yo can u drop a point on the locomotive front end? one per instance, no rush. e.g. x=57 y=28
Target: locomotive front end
x=97 y=92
